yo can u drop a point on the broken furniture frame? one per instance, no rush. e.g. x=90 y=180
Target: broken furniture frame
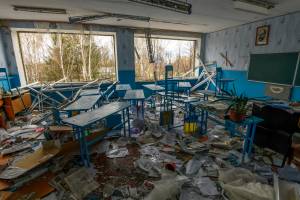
x=83 y=122
x=84 y=103
x=41 y=97
x=249 y=123
x=206 y=77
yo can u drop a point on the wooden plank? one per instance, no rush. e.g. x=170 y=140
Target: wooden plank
x=60 y=128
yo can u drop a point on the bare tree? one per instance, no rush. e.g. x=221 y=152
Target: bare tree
x=90 y=54
x=84 y=66
x=61 y=55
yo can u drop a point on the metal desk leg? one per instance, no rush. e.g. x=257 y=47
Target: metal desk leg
x=84 y=152
x=143 y=111
x=86 y=149
x=137 y=108
x=124 y=120
x=128 y=119
x=205 y=124
x=205 y=97
x=249 y=138
x=202 y=122
x=81 y=144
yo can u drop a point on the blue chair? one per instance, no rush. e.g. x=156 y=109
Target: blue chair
x=222 y=83
x=4 y=77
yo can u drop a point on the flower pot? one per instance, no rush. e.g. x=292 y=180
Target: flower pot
x=236 y=117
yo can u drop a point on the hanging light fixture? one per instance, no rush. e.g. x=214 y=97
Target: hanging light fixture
x=40 y=9
x=174 y=5
x=255 y=6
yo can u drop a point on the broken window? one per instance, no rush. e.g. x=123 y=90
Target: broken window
x=179 y=53
x=49 y=57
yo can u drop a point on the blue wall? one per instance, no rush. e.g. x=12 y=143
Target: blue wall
x=251 y=88
x=239 y=42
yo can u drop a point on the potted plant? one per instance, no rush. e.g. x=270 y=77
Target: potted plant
x=238 y=105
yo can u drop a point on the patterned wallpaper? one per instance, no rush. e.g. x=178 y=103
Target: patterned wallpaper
x=239 y=42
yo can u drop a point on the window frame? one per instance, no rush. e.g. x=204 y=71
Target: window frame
x=18 y=51
x=197 y=48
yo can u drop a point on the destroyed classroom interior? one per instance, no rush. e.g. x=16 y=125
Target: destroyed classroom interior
x=150 y=100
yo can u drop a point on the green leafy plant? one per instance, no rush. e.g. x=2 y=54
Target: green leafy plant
x=237 y=103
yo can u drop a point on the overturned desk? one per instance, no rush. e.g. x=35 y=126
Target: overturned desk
x=82 y=122
x=84 y=103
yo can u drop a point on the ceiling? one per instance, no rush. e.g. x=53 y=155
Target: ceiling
x=207 y=15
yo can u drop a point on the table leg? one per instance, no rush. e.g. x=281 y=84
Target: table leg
x=205 y=124
x=80 y=139
x=128 y=119
x=137 y=108
x=205 y=97
x=84 y=152
x=124 y=120
x=143 y=111
x=251 y=138
x=202 y=122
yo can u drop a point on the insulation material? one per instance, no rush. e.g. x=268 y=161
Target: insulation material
x=241 y=184
x=166 y=189
x=236 y=176
x=289 y=191
x=249 y=191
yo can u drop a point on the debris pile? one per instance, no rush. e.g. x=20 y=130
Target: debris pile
x=41 y=160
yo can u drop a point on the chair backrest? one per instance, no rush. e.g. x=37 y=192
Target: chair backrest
x=4 y=76
x=168 y=71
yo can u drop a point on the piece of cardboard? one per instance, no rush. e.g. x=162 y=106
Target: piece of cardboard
x=61 y=129
x=4 y=185
x=4 y=195
x=39 y=186
x=36 y=158
x=4 y=160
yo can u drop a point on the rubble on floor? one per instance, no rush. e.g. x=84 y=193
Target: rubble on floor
x=41 y=161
